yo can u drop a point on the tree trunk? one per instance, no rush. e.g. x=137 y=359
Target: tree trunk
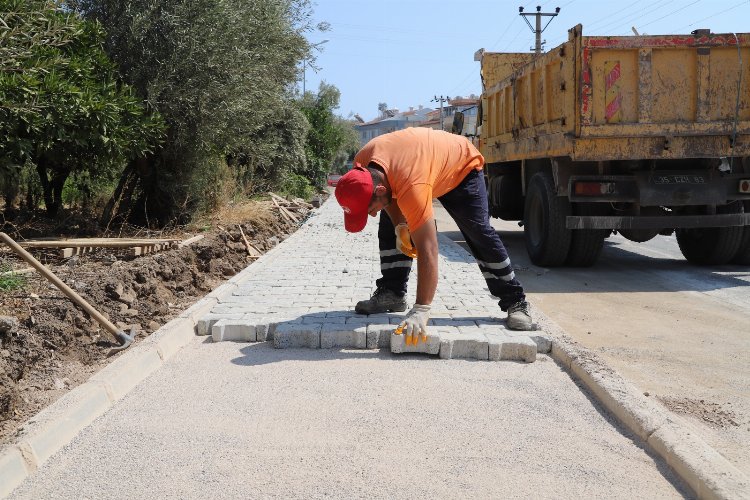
x=58 y=183
x=41 y=168
x=52 y=188
x=124 y=190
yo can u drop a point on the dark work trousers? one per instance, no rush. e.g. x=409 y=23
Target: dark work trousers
x=467 y=205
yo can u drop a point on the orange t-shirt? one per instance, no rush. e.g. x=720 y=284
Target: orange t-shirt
x=421 y=164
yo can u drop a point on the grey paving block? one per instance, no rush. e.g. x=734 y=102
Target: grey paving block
x=469 y=345
x=347 y=336
x=376 y=319
x=322 y=319
x=543 y=341
x=238 y=330
x=263 y=330
x=204 y=325
x=432 y=346
x=356 y=320
x=287 y=335
x=379 y=335
x=451 y=322
x=507 y=348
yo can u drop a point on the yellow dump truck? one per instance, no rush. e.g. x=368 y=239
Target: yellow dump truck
x=639 y=135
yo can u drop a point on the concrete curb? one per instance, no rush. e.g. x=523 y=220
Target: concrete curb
x=705 y=471
x=57 y=425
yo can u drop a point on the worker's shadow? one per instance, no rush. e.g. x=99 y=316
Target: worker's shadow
x=265 y=352
x=303 y=329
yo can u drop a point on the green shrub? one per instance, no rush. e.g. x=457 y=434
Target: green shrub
x=297 y=186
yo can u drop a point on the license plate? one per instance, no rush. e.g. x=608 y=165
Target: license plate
x=679 y=179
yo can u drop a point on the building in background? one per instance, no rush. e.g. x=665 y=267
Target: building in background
x=392 y=119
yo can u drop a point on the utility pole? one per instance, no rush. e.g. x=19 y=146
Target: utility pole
x=441 y=100
x=538 y=30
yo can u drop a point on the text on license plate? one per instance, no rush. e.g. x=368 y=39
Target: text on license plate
x=679 y=179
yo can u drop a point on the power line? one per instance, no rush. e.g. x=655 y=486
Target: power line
x=614 y=14
x=632 y=19
x=667 y=15
x=504 y=31
x=714 y=15
x=592 y=27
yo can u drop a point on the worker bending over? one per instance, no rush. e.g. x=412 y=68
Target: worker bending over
x=399 y=174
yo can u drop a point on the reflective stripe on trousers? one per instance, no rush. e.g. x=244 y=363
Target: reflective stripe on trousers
x=394 y=266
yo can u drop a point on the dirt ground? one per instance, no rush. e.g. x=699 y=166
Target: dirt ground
x=49 y=346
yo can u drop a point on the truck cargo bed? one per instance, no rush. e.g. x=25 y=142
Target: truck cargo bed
x=597 y=98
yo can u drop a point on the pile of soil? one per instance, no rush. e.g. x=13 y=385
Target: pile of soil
x=48 y=345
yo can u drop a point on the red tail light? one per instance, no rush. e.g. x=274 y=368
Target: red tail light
x=594 y=188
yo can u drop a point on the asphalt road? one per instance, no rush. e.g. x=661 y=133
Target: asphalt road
x=680 y=333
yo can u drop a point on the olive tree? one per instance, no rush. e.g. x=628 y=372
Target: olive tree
x=62 y=106
x=221 y=73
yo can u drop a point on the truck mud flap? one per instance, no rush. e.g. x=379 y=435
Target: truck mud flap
x=657 y=222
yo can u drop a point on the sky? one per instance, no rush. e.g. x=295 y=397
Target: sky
x=406 y=52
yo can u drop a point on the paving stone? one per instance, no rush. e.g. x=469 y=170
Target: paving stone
x=357 y=320
x=379 y=335
x=287 y=335
x=263 y=331
x=507 y=348
x=469 y=345
x=322 y=319
x=204 y=325
x=543 y=342
x=237 y=330
x=451 y=322
x=432 y=346
x=338 y=336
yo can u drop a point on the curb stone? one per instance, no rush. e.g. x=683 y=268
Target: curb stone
x=701 y=467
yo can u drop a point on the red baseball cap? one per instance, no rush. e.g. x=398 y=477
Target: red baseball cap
x=354 y=192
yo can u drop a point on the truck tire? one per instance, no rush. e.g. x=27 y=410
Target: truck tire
x=711 y=246
x=586 y=244
x=742 y=256
x=547 y=238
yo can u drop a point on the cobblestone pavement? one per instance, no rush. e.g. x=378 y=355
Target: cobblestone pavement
x=304 y=297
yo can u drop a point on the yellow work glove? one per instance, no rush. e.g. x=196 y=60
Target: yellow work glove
x=403 y=241
x=414 y=325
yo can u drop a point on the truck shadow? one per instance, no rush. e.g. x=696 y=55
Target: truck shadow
x=619 y=269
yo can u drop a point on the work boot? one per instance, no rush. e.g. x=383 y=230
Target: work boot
x=383 y=300
x=519 y=317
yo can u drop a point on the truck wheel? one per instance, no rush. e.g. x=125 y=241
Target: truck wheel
x=711 y=246
x=547 y=239
x=586 y=244
x=742 y=256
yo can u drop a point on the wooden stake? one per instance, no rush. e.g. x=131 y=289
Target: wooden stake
x=248 y=246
